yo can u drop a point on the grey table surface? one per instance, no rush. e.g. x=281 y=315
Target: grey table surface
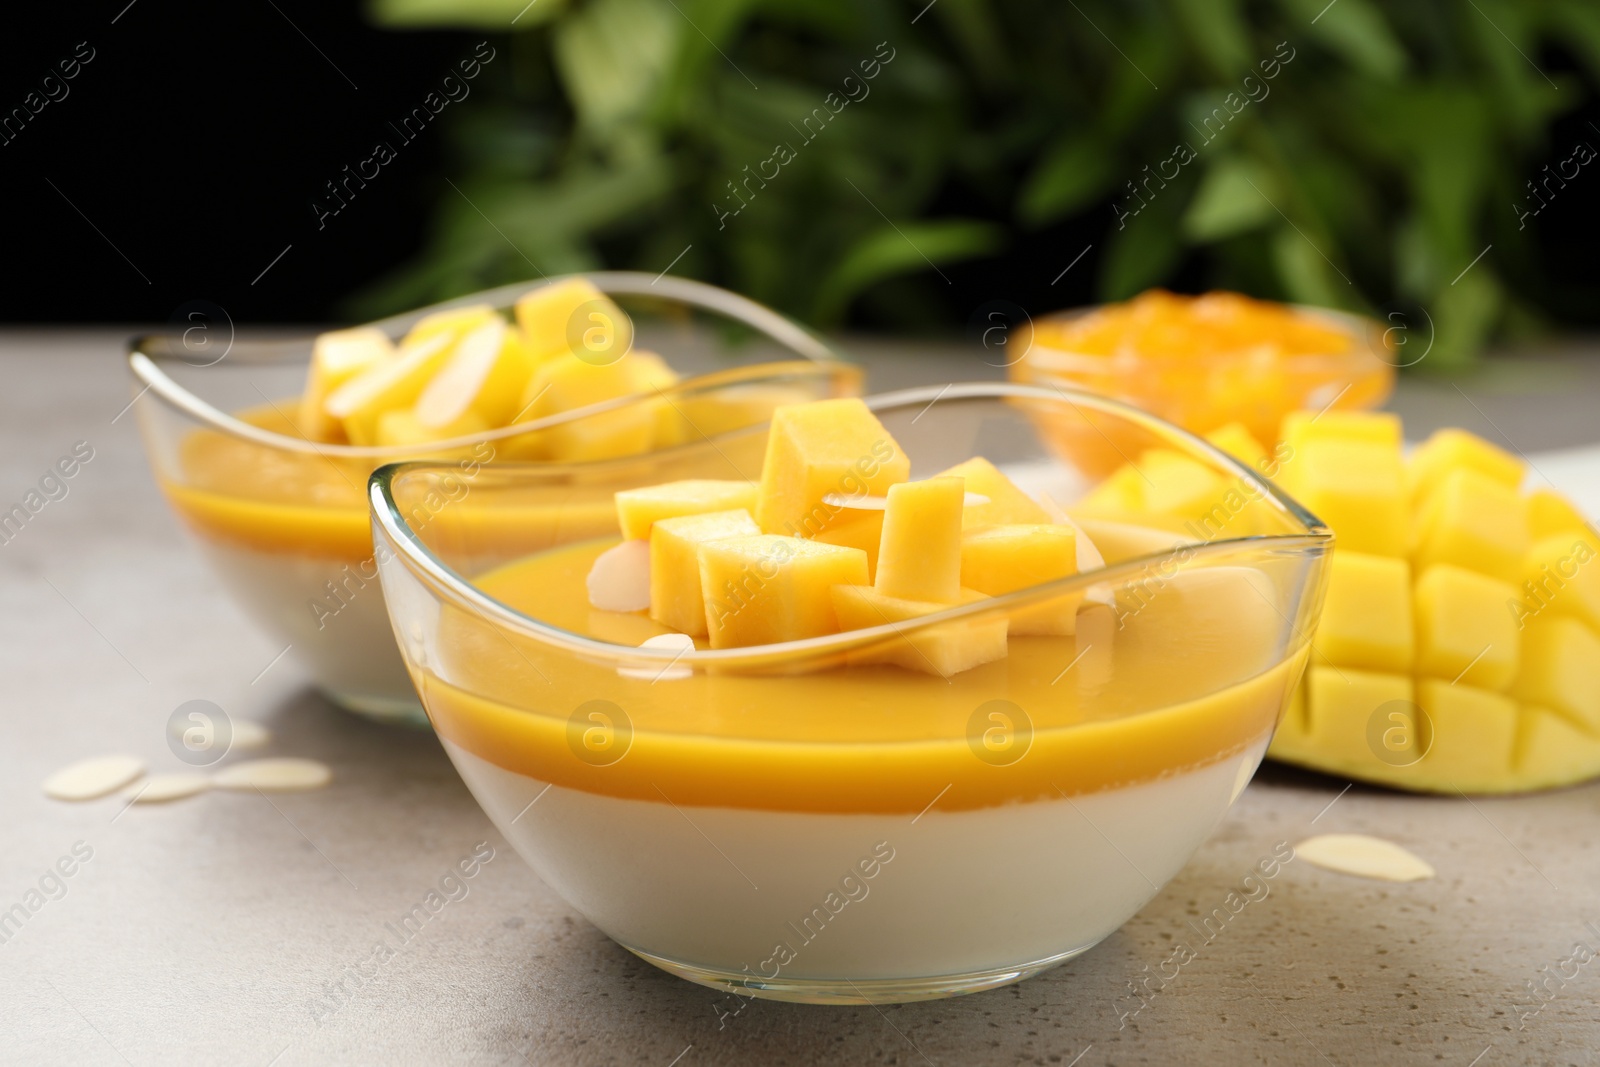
x=208 y=931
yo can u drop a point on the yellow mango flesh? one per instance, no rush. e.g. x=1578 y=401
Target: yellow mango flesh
x=1503 y=610
x=767 y=588
x=676 y=597
x=1356 y=486
x=567 y=382
x=639 y=509
x=1366 y=616
x=1473 y=521
x=337 y=357
x=919 y=556
x=823 y=448
x=944 y=650
x=400 y=429
x=853 y=528
x=573 y=316
x=453 y=323
x=1007 y=503
x=391 y=385
x=1003 y=559
x=486 y=375
x=1237 y=441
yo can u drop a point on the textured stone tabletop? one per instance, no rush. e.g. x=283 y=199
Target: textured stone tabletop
x=218 y=930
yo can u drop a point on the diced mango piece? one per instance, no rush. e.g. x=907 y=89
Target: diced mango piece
x=1372 y=427
x=486 y=374
x=1551 y=751
x=402 y=429
x=391 y=385
x=1366 y=618
x=1561 y=669
x=857 y=528
x=1473 y=731
x=766 y=588
x=1119 y=496
x=1179 y=486
x=1551 y=513
x=566 y=383
x=1007 y=503
x=1559 y=574
x=639 y=509
x=944 y=650
x=452 y=323
x=1473 y=521
x=1340 y=704
x=1463 y=628
x=1451 y=450
x=820 y=448
x=1003 y=559
x=1237 y=441
x=1354 y=486
x=919 y=557
x=337 y=357
x=676 y=598
x=573 y=316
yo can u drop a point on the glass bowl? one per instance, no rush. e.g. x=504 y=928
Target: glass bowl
x=284 y=521
x=1202 y=393
x=807 y=822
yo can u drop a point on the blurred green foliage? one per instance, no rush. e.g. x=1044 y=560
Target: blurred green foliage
x=1385 y=154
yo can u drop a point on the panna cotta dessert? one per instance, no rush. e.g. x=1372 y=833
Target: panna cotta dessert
x=878 y=720
x=273 y=485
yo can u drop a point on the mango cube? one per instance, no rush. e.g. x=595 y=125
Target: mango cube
x=821 y=448
x=639 y=509
x=1007 y=503
x=1178 y=486
x=1356 y=487
x=1118 y=496
x=1451 y=450
x=1002 y=559
x=573 y=316
x=1237 y=441
x=452 y=323
x=1464 y=631
x=336 y=358
x=1559 y=575
x=1551 y=750
x=485 y=375
x=766 y=588
x=1366 y=617
x=857 y=528
x=1473 y=521
x=1300 y=428
x=566 y=382
x=1550 y=513
x=944 y=650
x=676 y=598
x=391 y=385
x=402 y=429
x=919 y=557
x=1473 y=730
x=1341 y=703
x=1561 y=669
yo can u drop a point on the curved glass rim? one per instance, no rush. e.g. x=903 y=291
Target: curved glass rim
x=1316 y=538
x=1357 y=327
x=145 y=357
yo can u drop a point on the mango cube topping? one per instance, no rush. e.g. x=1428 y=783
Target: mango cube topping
x=877 y=549
x=1356 y=486
x=1473 y=521
x=819 y=449
x=676 y=597
x=1464 y=632
x=919 y=556
x=1449 y=451
x=336 y=358
x=765 y=588
x=639 y=509
x=1366 y=615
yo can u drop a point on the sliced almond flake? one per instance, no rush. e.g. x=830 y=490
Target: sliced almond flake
x=1364 y=857
x=247 y=735
x=274 y=775
x=92 y=778
x=860 y=502
x=619 y=580
x=672 y=672
x=159 y=788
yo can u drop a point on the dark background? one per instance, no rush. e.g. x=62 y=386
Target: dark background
x=197 y=137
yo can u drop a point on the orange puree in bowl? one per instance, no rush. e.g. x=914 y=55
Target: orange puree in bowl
x=1134 y=705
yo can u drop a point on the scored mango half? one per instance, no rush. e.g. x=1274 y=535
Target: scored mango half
x=1459 y=644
